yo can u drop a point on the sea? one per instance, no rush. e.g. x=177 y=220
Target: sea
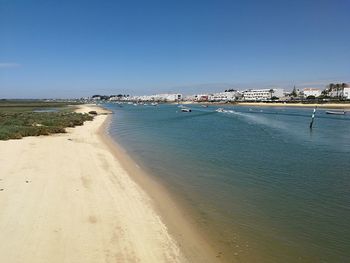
x=258 y=182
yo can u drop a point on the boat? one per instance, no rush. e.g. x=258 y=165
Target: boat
x=220 y=110
x=154 y=104
x=204 y=106
x=336 y=112
x=186 y=110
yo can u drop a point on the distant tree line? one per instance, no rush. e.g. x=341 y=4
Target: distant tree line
x=230 y=90
x=335 y=87
x=334 y=91
x=107 y=97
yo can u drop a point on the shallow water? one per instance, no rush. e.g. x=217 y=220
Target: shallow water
x=256 y=180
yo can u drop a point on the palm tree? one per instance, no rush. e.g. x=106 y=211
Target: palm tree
x=271 y=92
x=294 y=92
x=331 y=88
x=338 y=88
x=343 y=86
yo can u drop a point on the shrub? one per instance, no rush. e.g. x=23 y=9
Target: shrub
x=15 y=125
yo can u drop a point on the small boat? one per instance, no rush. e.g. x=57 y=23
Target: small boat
x=186 y=110
x=336 y=112
x=204 y=106
x=220 y=110
x=154 y=104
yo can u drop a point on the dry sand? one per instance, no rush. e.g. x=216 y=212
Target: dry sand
x=66 y=198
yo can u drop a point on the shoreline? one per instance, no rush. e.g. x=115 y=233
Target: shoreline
x=273 y=104
x=194 y=245
x=74 y=198
x=301 y=105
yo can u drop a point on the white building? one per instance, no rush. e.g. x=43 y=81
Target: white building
x=223 y=96
x=190 y=97
x=174 y=97
x=312 y=92
x=262 y=94
x=158 y=97
x=202 y=97
x=339 y=91
x=346 y=93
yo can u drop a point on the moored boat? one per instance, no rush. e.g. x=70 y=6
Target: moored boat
x=186 y=110
x=336 y=112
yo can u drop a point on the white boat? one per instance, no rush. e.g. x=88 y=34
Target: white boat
x=220 y=110
x=186 y=110
x=154 y=104
x=336 y=112
x=204 y=106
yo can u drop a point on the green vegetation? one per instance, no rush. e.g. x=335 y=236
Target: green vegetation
x=32 y=105
x=294 y=93
x=18 y=119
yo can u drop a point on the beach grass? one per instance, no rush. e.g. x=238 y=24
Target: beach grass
x=19 y=119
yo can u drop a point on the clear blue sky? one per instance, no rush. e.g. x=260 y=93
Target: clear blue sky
x=79 y=48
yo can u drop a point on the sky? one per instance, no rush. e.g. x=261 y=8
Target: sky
x=65 y=49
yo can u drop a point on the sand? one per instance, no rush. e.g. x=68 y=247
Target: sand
x=67 y=198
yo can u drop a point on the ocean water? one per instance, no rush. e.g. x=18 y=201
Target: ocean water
x=257 y=180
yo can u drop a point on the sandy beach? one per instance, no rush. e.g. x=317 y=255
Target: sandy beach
x=67 y=198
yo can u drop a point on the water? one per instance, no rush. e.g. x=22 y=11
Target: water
x=46 y=110
x=256 y=180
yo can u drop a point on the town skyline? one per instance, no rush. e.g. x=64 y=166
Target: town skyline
x=193 y=89
x=335 y=92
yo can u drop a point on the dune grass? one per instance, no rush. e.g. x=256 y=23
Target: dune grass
x=18 y=120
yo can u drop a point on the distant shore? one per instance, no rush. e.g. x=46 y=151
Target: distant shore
x=275 y=104
x=72 y=198
x=280 y=104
